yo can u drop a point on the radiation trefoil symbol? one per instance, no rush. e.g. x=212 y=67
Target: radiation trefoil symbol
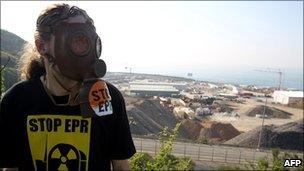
x=64 y=157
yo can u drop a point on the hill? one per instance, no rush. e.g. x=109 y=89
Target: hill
x=11 y=45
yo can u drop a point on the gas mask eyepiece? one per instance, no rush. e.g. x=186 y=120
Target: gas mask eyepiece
x=79 y=44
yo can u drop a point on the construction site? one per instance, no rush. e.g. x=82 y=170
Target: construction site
x=212 y=113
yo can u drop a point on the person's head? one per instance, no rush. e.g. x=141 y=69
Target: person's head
x=48 y=22
x=53 y=28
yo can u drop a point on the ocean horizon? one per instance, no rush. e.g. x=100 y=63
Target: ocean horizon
x=291 y=79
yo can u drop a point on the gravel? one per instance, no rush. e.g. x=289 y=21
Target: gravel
x=287 y=136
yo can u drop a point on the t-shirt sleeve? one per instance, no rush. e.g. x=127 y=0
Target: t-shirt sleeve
x=122 y=146
x=8 y=150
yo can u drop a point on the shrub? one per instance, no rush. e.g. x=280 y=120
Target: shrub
x=263 y=164
x=164 y=160
x=139 y=161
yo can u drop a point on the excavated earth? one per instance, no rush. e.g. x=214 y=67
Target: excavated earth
x=287 y=136
x=271 y=112
x=215 y=132
x=147 y=117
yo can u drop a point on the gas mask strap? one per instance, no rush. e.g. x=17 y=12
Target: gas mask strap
x=72 y=101
x=61 y=81
x=57 y=74
x=68 y=90
x=48 y=92
x=73 y=92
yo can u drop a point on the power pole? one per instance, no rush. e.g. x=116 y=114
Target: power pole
x=130 y=72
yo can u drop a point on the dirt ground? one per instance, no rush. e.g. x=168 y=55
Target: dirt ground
x=243 y=123
x=246 y=123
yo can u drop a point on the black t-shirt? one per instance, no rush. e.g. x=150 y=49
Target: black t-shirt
x=36 y=134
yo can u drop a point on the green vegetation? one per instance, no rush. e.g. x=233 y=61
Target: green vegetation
x=139 y=161
x=11 y=43
x=11 y=46
x=2 y=86
x=164 y=160
x=263 y=164
x=277 y=162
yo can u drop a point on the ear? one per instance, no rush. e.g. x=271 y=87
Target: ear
x=41 y=46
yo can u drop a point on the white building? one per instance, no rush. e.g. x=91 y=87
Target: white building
x=151 y=90
x=287 y=97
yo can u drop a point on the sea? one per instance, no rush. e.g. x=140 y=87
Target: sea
x=292 y=81
x=291 y=78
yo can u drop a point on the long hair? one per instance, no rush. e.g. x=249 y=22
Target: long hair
x=31 y=63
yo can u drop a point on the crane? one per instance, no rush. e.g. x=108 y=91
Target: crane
x=278 y=71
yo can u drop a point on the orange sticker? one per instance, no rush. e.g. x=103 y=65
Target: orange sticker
x=99 y=94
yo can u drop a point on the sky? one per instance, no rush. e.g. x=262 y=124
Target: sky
x=157 y=36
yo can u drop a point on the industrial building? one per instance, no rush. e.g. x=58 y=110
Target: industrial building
x=178 y=85
x=149 y=90
x=287 y=97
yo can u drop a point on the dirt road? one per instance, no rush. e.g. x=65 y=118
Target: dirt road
x=246 y=123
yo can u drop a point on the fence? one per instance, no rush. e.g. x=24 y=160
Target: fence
x=201 y=152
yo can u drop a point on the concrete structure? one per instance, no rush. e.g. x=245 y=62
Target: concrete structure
x=178 y=85
x=150 y=90
x=287 y=97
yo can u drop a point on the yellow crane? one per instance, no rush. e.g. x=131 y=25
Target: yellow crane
x=278 y=71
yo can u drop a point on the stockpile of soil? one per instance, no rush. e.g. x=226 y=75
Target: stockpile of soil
x=218 y=131
x=148 y=117
x=288 y=136
x=271 y=112
x=215 y=132
x=193 y=127
x=251 y=138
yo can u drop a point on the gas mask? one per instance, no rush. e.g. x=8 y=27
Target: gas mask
x=77 y=49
